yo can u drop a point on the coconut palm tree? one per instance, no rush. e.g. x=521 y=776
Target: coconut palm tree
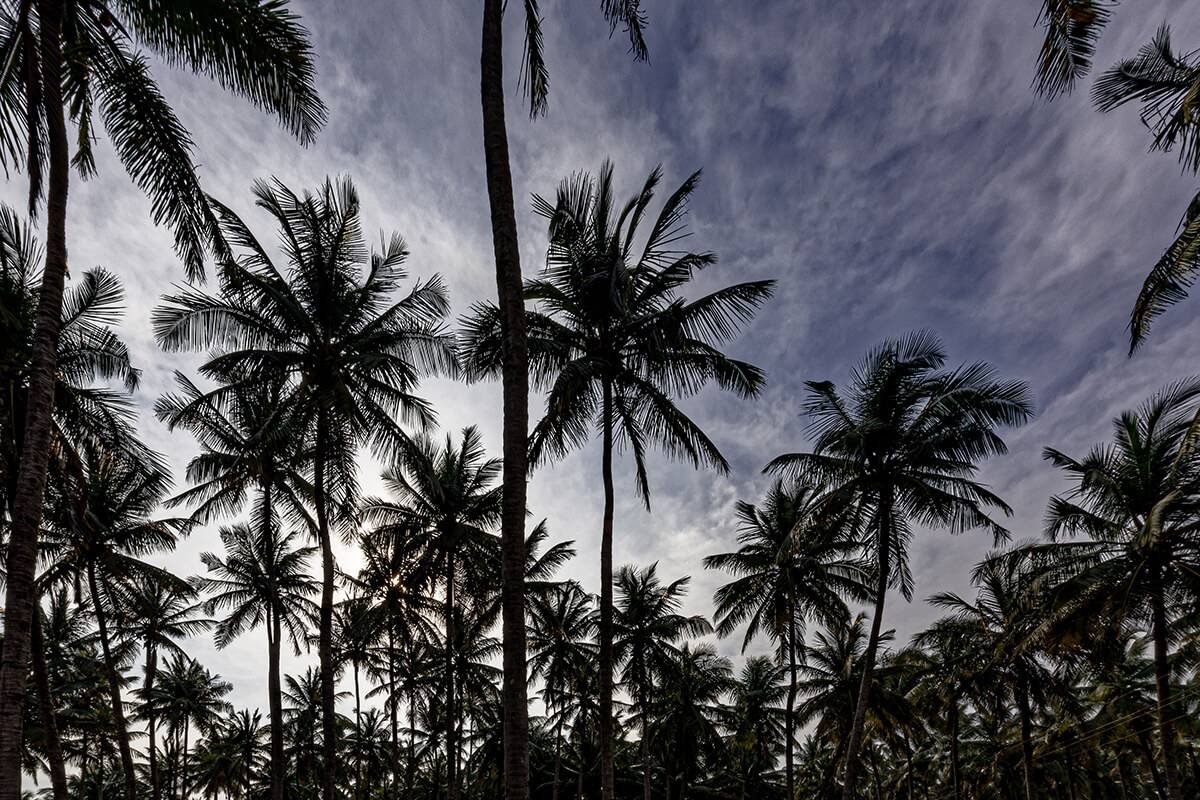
x=796 y=562
x=515 y=369
x=902 y=445
x=67 y=62
x=156 y=613
x=561 y=628
x=189 y=696
x=648 y=628
x=1137 y=503
x=356 y=634
x=447 y=496
x=262 y=580
x=754 y=726
x=99 y=533
x=331 y=324
x=616 y=345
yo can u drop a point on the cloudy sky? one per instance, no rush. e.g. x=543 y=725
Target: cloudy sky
x=887 y=164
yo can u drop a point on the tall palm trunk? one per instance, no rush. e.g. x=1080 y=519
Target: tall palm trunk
x=955 y=771
x=515 y=379
x=790 y=713
x=1162 y=681
x=557 y=758
x=114 y=688
x=357 y=735
x=325 y=639
x=152 y=721
x=275 y=690
x=644 y=745
x=854 y=744
x=451 y=710
x=393 y=706
x=1026 y=741
x=606 y=603
x=20 y=591
x=54 y=752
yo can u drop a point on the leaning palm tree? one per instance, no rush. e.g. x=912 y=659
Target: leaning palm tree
x=330 y=324
x=648 y=628
x=1137 y=502
x=536 y=85
x=446 y=495
x=68 y=62
x=617 y=344
x=99 y=533
x=156 y=613
x=902 y=446
x=797 y=561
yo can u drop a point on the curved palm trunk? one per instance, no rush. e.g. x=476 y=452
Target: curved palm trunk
x=152 y=721
x=451 y=710
x=114 y=688
x=790 y=712
x=325 y=638
x=54 y=753
x=1162 y=681
x=1026 y=742
x=20 y=591
x=606 y=603
x=854 y=744
x=274 y=689
x=515 y=379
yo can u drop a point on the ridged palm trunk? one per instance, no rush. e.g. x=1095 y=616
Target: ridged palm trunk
x=20 y=591
x=114 y=688
x=607 y=777
x=54 y=752
x=883 y=565
x=275 y=690
x=1162 y=681
x=325 y=636
x=515 y=379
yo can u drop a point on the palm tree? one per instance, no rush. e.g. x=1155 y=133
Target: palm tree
x=1137 y=502
x=356 y=634
x=754 y=726
x=156 y=613
x=561 y=627
x=615 y=343
x=648 y=625
x=99 y=533
x=331 y=324
x=796 y=562
x=187 y=696
x=515 y=370
x=262 y=580
x=447 y=496
x=75 y=60
x=902 y=446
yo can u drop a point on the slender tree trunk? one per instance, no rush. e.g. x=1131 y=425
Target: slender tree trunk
x=955 y=771
x=1026 y=742
x=183 y=763
x=606 y=603
x=325 y=639
x=451 y=710
x=790 y=714
x=393 y=706
x=1162 y=681
x=645 y=744
x=1156 y=776
x=515 y=378
x=357 y=736
x=114 y=688
x=152 y=721
x=275 y=690
x=557 y=758
x=860 y=711
x=20 y=589
x=54 y=753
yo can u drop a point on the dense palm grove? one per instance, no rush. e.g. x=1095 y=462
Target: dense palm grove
x=1071 y=670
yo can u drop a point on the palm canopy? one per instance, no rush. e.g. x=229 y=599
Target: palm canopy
x=254 y=48
x=88 y=410
x=902 y=444
x=611 y=319
x=263 y=577
x=562 y=625
x=797 y=561
x=158 y=613
x=330 y=323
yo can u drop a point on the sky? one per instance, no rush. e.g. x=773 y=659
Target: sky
x=887 y=164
